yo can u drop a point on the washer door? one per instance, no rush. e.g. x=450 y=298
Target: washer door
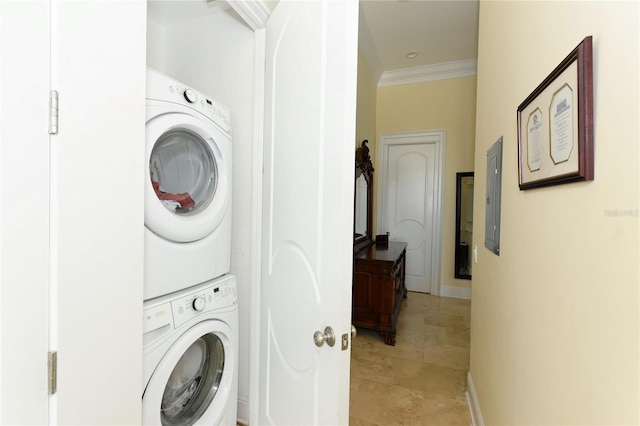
x=187 y=189
x=192 y=382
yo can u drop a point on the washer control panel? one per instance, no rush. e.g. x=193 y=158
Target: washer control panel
x=207 y=299
x=157 y=318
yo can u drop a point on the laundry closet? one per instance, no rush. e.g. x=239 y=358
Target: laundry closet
x=290 y=85
x=72 y=260
x=208 y=47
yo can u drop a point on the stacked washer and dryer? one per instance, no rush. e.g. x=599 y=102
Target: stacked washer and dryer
x=190 y=309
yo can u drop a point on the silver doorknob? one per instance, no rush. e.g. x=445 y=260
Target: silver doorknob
x=354 y=332
x=328 y=336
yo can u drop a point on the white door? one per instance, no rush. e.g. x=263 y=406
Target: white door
x=24 y=211
x=310 y=95
x=97 y=212
x=411 y=190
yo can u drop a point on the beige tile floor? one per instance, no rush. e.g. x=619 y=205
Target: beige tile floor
x=422 y=379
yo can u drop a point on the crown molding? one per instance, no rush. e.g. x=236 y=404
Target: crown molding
x=442 y=71
x=254 y=12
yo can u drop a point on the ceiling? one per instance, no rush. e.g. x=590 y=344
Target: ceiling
x=438 y=31
x=170 y=12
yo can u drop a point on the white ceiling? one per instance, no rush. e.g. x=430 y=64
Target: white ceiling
x=170 y=12
x=439 y=31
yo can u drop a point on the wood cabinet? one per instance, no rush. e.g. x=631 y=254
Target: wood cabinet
x=379 y=288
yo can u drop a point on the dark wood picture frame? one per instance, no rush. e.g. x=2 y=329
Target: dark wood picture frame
x=578 y=166
x=364 y=166
x=462 y=257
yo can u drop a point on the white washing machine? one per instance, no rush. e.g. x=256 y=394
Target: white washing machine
x=190 y=359
x=187 y=187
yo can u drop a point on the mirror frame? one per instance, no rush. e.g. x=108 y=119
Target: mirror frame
x=364 y=166
x=457 y=257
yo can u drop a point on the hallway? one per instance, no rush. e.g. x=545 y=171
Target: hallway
x=420 y=381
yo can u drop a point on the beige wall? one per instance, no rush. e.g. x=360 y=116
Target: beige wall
x=444 y=104
x=366 y=110
x=554 y=327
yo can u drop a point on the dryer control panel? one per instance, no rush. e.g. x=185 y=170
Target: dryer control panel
x=217 y=297
x=163 y=88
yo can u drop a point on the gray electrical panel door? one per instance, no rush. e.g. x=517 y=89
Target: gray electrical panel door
x=494 y=187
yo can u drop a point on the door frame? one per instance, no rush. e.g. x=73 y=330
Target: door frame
x=423 y=137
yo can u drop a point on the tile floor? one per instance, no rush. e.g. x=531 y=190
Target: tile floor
x=422 y=379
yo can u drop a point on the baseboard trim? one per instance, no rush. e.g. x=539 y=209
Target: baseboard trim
x=457 y=292
x=472 y=401
x=243 y=411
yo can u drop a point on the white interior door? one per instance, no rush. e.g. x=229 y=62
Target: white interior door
x=97 y=209
x=24 y=211
x=310 y=95
x=411 y=192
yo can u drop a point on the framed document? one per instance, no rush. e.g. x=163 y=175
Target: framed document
x=555 y=124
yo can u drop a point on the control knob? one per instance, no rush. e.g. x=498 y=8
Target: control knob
x=190 y=96
x=199 y=303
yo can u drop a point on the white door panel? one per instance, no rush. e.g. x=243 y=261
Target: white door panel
x=410 y=201
x=311 y=53
x=411 y=173
x=97 y=212
x=411 y=169
x=24 y=211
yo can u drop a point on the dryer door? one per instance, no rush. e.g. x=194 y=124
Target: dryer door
x=188 y=177
x=193 y=382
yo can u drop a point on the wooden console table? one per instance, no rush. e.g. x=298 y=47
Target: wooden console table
x=378 y=288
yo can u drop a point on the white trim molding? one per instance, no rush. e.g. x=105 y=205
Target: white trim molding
x=442 y=71
x=248 y=410
x=243 y=411
x=456 y=292
x=474 y=404
x=254 y=12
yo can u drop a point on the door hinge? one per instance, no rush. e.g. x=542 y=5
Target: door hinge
x=53 y=372
x=53 y=112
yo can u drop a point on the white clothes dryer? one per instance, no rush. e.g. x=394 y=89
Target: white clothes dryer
x=187 y=187
x=190 y=358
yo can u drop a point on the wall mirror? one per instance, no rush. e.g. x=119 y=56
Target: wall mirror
x=363 y=198
x=464 y=224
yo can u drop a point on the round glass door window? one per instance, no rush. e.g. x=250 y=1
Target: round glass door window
x=183 y=170
x=194 y=382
